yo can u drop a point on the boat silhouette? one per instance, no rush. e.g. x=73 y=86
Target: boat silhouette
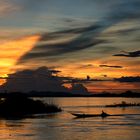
x=103 y=115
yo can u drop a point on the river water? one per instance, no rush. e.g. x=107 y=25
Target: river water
x=64 y=126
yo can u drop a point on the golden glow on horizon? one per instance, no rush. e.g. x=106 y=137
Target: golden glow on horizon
x=4 y=76
x=12 y=51
x=112 y=86
x=93 y=69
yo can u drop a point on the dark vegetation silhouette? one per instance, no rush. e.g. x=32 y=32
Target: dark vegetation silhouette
x=123 y=104
x=128 y=93
x=19 y=105
x=128 y=79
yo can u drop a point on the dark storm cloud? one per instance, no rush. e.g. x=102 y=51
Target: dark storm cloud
x=108 y=66
x=41 y=79
x=63 y=33
x=128 y=79
x=85 y=36
x=62 y=48
x=85 y=39
x=129 y=54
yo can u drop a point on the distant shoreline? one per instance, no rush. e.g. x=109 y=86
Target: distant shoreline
x=127 y=94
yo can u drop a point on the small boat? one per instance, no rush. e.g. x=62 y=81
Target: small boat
x=83 y=115
x=103 y=115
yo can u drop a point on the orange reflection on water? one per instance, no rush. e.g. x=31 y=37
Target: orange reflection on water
x=14 y=129
x=66 y=127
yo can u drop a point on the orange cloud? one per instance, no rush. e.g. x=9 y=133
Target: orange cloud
x=13 y=50
x=93 y=69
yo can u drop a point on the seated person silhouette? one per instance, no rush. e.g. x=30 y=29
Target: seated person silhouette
x=103 y=114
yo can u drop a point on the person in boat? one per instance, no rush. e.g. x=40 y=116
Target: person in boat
x=103 y=114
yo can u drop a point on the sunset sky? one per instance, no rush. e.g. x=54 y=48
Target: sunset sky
x=99 y=38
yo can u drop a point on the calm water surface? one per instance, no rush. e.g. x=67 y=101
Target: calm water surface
x=63 y=126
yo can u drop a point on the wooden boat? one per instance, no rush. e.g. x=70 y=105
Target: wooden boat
x=83 y=115
x=103 y=115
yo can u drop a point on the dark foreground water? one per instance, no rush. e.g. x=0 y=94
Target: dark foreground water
x=63 y=126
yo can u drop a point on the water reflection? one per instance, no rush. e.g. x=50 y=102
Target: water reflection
x=11 y=129
x=63 y=126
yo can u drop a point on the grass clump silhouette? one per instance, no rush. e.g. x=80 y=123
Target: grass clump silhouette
x=19 y=105
x=123 y=104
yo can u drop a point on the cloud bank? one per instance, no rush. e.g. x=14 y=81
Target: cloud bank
x=41 y=79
